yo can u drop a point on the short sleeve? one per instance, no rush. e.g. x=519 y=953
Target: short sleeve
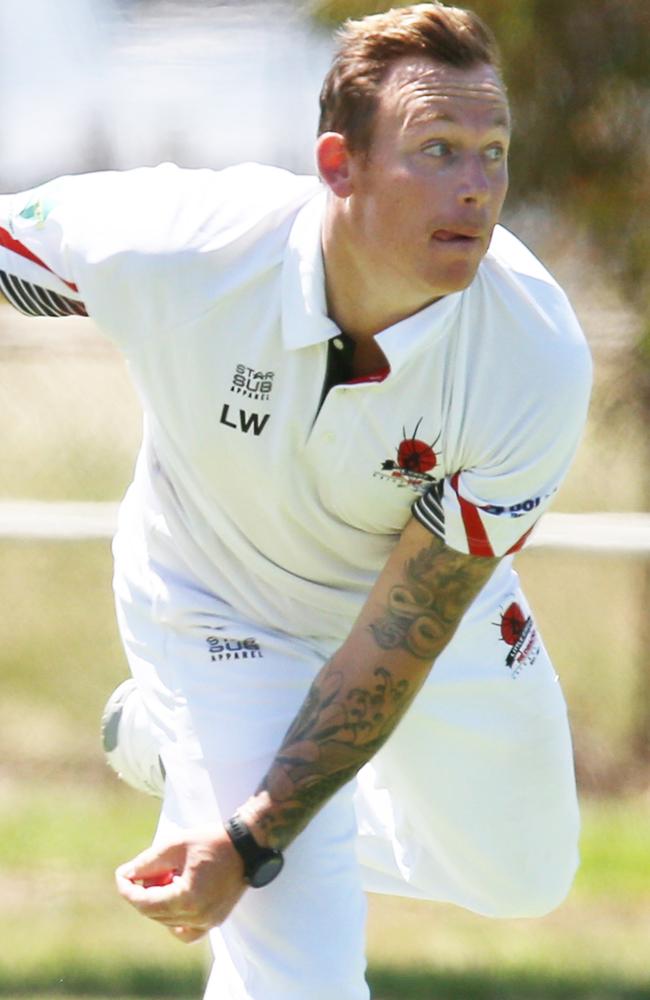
x=35 y=275
x=489 y=509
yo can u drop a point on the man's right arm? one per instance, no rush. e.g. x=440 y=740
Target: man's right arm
x=33 y=268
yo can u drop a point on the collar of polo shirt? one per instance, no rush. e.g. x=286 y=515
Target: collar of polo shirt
x=304 y=307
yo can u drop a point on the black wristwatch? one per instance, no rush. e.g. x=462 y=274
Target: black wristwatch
x=261 y=864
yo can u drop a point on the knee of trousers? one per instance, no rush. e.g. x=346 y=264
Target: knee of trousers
x=506 y=874
x=532 y=886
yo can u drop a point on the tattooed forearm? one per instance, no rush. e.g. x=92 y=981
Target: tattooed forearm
x=424 y=610
x=361 y=694
x=337 y=730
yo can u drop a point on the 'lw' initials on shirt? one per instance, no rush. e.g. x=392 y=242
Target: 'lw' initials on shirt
x=247 y=421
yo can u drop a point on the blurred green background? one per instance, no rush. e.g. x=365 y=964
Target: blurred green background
x=578 y=74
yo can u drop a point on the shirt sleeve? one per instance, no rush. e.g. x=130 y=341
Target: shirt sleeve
x=137 y=250
x=33 y=271
x=490 y=509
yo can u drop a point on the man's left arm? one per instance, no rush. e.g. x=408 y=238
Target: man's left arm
x=361 y=694
x=353 y=706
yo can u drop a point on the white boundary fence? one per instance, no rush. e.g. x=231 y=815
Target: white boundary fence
x=627 y=533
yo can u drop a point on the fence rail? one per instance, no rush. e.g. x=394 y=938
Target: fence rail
x=622 y=533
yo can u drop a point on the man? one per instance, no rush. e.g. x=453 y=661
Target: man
x=359 y=397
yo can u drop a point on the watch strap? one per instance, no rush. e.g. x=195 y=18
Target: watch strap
x=261 y=864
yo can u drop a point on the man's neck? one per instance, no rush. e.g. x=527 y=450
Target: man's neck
x=360 y=300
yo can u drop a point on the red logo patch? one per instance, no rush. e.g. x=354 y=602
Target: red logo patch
x=518 y=632
x=414 y=461
x=512 y=624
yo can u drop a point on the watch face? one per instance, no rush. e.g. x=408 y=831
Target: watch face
x=266 y=871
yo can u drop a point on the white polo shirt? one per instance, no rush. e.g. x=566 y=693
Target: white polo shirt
x=212 y=283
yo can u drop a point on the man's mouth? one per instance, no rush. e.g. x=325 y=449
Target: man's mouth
x=467 y=237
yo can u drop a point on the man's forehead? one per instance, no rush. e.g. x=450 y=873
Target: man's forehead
x=418 y=85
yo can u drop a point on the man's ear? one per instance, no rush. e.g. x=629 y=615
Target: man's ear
x=333 y=160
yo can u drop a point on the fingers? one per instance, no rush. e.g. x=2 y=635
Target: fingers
x=149 y=897
x=165 y=904
x=156 y=866
x=161 y=893
x=189 y=886
x=153 y=869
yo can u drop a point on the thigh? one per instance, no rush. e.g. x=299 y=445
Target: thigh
x=235 y=688
x=472 y=800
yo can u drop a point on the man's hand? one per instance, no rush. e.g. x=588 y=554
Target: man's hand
x=190 y=884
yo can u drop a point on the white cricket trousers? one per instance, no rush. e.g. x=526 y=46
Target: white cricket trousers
x=471 y=801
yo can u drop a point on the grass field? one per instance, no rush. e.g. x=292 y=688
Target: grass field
x=69 y=934
x=70 y=429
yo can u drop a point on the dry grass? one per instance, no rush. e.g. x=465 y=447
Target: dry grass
x=70 y=418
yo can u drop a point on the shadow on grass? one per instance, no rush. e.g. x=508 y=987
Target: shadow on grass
x=434 y=984
x=143 y=982
x=118 y=980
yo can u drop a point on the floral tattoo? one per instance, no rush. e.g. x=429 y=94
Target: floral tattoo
x=341 y=725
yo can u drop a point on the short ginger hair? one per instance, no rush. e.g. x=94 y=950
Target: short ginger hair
x=368 y=47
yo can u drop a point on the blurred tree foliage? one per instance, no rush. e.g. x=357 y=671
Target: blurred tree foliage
x=578 y=73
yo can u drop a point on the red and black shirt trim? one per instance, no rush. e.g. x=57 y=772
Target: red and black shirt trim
x=33 y=300
x=428 y=510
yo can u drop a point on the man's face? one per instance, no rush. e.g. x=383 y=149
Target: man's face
x=426 y=199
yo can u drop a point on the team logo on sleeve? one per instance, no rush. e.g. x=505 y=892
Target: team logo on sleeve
x=515 y=510
x=37 y=211
x=518 y=509
x=518 y=632
x=413 y=464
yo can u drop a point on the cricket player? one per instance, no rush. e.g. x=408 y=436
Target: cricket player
x=360 y=393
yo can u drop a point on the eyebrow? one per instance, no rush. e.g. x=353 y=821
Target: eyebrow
x=500 y=120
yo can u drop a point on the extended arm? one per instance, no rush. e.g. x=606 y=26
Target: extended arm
x=350 y=711
x=364 y=690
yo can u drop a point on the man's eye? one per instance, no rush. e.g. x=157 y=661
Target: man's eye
x=495 y=153
x=437 y=149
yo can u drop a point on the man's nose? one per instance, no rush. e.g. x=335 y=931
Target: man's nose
x=474 y=186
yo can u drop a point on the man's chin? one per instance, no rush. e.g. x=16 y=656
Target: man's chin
x=455 y=282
